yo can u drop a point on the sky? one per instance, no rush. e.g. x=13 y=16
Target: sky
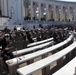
x=68 y=0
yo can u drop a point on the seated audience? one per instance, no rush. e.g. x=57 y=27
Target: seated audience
x=5 y=51
x=15 y=29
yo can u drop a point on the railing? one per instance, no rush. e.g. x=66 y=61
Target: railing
x=44 y=64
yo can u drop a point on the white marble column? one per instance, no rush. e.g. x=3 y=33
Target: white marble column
x=23 y=8
x=32 y=11
x=26 y=11
x=39 y=11
x=47 y=12
x=5 y=8
x=61 y=13
x=74 y=14
x=54 y=13
x=68 y=13
x=2 y=6
x=22 y=11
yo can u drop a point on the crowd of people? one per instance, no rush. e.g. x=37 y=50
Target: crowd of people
x=8 y=36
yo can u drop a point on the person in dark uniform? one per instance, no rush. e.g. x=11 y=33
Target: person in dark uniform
x=60 y=33
x=6 y=30
x=23 y=28
x=5 y=51
x=5 y=41
x=29 y=37
x=56 y=37
x=15 y=29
